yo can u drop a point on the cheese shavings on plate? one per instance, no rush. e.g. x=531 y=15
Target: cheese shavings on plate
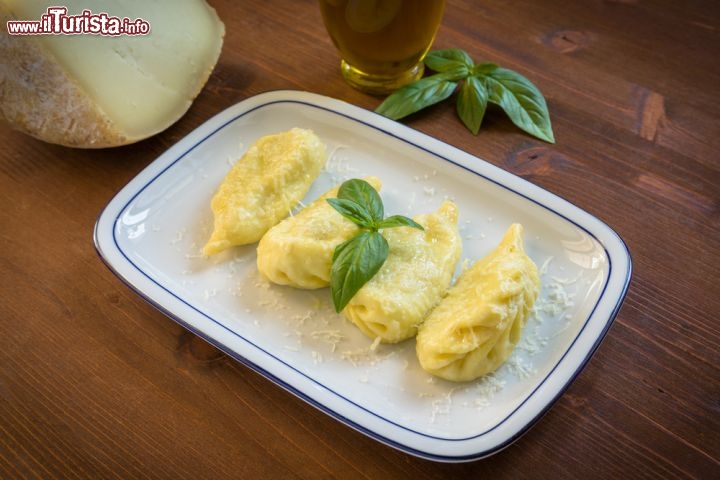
x=383 y=393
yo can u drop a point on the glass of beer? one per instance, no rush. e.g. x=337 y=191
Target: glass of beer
x=382 y=43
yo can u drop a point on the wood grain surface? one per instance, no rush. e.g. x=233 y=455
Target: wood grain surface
x=96 y=383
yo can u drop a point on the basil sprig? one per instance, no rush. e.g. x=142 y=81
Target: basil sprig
x=480 y=84
x=357 y=260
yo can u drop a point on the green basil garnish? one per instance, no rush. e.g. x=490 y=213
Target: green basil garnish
x=354 y=263
x=480 y=84
x=357 y=260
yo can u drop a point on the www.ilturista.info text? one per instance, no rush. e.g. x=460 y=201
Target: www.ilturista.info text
x=57 y=22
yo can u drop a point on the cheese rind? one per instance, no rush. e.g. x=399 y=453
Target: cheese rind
x=96 y=91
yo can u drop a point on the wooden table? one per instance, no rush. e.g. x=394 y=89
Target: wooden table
x=96 y=383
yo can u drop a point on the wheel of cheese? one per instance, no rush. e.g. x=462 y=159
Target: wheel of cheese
x=93 y=91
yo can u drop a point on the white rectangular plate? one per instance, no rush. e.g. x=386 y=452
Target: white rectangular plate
x=151 y=234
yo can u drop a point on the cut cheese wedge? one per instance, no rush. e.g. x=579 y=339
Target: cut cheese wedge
x=93 y=91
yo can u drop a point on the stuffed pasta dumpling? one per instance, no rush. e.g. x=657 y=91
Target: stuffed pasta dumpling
x=413 y=279
x=477 y=325
x=298 y=251
x=271 y=177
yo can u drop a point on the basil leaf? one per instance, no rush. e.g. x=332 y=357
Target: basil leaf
x=521 y=100
x=448 y=59
x=352 y=211
x=515 y=94
x=454 y=74
x=399 y=221
x=362 y=193
x=482 y=69
x=471 y=103
x=354 y=263
x=416 y=96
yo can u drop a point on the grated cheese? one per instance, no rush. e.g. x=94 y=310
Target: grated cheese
x=365 y=356
x=317 y=357
x=315 y=322
x=331 y=337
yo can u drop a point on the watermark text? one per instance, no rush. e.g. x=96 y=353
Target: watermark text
x=56 y=21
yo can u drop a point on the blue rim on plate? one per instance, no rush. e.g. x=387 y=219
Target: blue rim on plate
x=118 y=252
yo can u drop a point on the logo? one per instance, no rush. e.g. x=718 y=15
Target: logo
x=57 y=22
